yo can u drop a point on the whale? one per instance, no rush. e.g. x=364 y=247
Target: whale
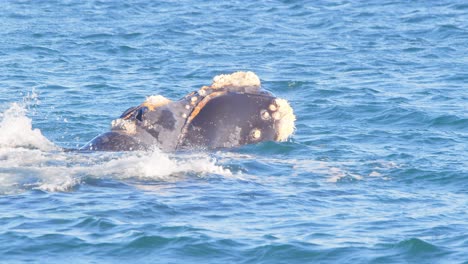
x=233 y=111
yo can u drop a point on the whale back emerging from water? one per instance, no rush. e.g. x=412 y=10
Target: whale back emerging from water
x=233 y=111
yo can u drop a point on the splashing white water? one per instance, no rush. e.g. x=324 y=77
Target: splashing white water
x=22 y=169
x=28 y=161
x=156 y=165
x=16 y=131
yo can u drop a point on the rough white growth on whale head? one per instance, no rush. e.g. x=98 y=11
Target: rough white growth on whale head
x=124 y=125
x=155 y=101
x=237 y=79
x=285 y=118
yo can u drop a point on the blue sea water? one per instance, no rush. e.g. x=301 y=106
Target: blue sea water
x=376 y=172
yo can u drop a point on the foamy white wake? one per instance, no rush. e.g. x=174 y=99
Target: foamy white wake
x=333 y=172
x=28 y=160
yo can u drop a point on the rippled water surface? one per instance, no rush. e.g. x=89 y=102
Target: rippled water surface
x=376 y=172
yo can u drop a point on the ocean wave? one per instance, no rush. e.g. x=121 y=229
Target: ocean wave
x=450 y=121
x=409 y=250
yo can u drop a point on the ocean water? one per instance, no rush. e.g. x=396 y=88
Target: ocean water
x=376 y=172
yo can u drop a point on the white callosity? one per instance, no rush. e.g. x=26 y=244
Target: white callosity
x=155 y=101
x=283 y=113
x=284 y=119
x=125 y=125
x=237 y=79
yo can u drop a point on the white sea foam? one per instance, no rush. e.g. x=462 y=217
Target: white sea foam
x=23 y=169
x=332 y=172
x=28 y=161
x=156 y=165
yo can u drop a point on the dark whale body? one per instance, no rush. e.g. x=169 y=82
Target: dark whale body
x=210 y=118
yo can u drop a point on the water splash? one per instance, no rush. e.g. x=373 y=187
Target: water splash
x=155 y=165
x=16 y=131
x=28 y=160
